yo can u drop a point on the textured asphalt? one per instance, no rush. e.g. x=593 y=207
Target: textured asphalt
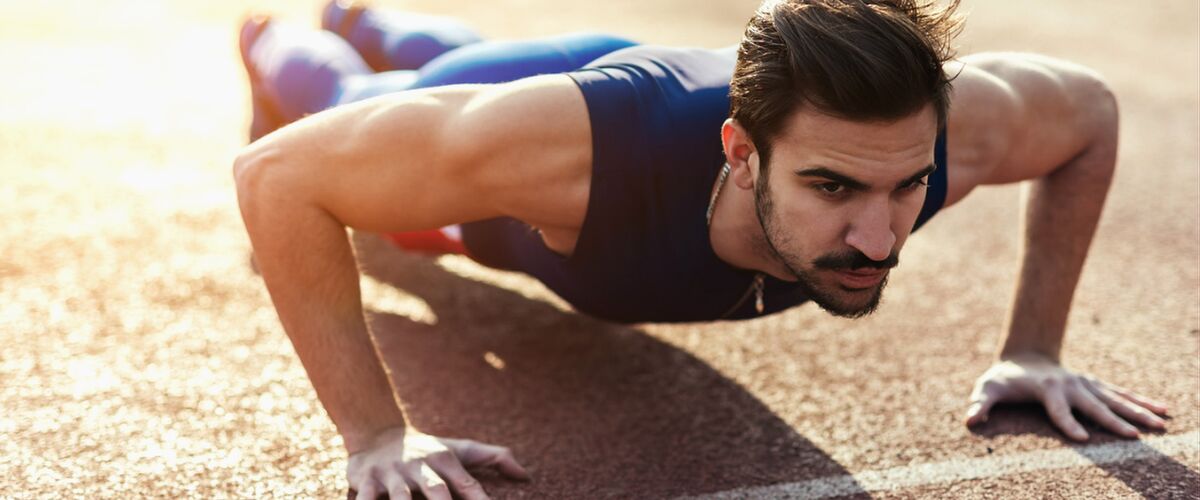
x=140 y=357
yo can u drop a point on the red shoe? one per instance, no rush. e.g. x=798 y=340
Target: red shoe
x=432 y=242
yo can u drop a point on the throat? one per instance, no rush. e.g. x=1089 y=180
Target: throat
x=734 y=237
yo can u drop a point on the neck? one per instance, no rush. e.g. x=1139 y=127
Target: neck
x=737 y=236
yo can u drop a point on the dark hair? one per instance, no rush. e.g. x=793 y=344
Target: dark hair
x=861 y=60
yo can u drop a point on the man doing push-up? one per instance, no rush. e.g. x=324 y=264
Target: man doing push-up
x=654 y=184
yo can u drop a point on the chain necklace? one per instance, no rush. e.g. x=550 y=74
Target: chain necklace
x=757 y=286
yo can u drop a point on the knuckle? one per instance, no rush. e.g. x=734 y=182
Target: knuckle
x=468 y=482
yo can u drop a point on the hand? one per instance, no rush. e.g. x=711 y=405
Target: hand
x=1033 y=377
x=402 y=459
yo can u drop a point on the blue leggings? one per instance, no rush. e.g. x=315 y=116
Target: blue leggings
x=306 y=71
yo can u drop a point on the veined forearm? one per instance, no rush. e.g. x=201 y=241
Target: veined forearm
x=309 y=269
x=1060 y=214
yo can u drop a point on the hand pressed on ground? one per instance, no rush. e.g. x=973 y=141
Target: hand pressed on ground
x=402 y=460
x=1033 y=377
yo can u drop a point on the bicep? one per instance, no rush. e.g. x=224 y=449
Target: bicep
x=423 y=159
x=1015 y=117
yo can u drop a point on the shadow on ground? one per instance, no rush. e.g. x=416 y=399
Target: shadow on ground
x=1147 y=476
x=592 y=409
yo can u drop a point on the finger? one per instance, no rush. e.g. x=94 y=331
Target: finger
x=1126 y=409
x=368 y=490
x=397 y=487
x=1145 y=402
x=465 y=485
x=500 y=457
x=1091 y=406
x=1060 y=413
x=432 y=484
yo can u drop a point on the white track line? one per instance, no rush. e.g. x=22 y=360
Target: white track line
x=971 y=468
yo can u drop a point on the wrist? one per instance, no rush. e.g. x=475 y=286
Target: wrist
x=359 y=440
x=1028 y=354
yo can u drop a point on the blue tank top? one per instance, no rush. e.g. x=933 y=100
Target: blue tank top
x=643 y=253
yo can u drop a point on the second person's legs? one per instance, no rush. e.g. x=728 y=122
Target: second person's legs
x=490 y=62
x=392 y=39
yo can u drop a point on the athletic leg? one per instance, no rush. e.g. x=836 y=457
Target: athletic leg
x=491 y=62
x=392 y=39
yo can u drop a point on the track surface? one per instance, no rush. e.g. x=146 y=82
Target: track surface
x=139 y=355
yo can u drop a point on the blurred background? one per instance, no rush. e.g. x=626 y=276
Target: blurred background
x=139 y=355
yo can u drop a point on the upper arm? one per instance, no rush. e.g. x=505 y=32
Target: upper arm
x=428 y=158
x=1020 y=116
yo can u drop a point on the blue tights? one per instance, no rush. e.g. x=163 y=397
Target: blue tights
x=303 y=71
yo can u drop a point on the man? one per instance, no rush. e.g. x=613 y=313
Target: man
x=682 y=185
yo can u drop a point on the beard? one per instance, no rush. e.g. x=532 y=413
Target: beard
x=832 y=297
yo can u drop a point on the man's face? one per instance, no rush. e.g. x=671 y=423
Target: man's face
x=840 y=198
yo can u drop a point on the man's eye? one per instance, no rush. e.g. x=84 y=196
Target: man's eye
x=830 y=187
x=916 y=184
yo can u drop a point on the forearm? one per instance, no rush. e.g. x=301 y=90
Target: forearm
x=1060 y=214
x=307 y=263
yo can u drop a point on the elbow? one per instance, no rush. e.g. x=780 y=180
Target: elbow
x=1102 y=126
x=246 y=169
x=255 y=179
x=1101 y=110
x=1105 y=114
x=241 y=170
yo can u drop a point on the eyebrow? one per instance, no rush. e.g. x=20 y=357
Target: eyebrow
x=855 y=184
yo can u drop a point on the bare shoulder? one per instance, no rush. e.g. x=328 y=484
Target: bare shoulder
x=528 y=144
x=1016 y=116
x=427 y=158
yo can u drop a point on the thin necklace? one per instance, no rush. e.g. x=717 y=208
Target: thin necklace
x=757 y=286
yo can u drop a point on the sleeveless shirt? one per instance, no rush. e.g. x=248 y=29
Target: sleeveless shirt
x=643 y=253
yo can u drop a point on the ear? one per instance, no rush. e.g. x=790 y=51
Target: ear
x=740 y=153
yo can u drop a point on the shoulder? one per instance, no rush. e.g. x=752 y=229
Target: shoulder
x=1016 y=115
x=527 y=146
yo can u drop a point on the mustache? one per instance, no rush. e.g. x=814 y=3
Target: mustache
x=854 y=259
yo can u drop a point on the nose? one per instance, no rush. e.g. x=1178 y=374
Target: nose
x=871 y=231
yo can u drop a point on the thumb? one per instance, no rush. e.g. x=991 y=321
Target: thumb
x=977 y=413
